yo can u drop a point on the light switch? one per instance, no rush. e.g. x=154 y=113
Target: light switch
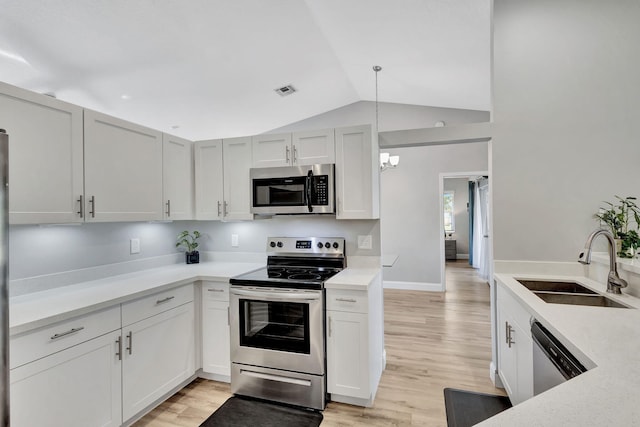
x=135 y=246
x=234 y=241
x=365 y=242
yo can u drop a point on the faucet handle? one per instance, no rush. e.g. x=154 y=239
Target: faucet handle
x=615 y=283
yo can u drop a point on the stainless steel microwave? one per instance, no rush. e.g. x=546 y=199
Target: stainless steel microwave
x=293 y=190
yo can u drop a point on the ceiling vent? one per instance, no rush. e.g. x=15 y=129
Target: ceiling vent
x=285 y=90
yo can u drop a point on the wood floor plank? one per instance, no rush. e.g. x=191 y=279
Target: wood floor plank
x=433 y=341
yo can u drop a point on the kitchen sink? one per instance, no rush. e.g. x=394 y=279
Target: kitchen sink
x=568 y=292
x=579 y=299
x=555 y=286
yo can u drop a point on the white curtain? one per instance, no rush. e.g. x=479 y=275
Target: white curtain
x=481 y=230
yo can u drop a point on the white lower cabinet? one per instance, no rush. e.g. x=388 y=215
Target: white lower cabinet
x=158 y=355
x=216 y=358
x=76 y=387
x=515 y=347
x=355 y=344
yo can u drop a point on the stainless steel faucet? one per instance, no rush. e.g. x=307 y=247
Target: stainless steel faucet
x=614 y=282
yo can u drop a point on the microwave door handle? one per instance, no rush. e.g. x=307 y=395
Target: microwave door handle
x=309 y=183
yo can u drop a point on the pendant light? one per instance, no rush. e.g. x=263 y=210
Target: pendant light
x=386 y=161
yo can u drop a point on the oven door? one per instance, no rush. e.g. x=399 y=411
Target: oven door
x=277 y=328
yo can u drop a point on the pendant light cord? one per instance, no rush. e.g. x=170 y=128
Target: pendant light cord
x=376 y=69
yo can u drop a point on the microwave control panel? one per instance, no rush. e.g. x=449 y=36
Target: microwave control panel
x=320 y=193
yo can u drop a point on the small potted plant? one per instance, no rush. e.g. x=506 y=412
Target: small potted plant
x=623 y=219
x=189 y=241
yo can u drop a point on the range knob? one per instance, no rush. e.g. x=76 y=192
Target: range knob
x=335 y=245
x=327 y=245
x=279 y=244
x=320 y=245
x=272 y=244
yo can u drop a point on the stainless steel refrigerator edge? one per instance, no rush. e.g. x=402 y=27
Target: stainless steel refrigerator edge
x=4 y=280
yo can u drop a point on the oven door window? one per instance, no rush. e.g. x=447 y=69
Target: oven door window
x=282 y=326
x=279 y=192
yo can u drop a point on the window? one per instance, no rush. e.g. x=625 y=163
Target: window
x=449 y=217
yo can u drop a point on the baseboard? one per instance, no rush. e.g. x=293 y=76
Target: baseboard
x=412 y=286
x=462 y=256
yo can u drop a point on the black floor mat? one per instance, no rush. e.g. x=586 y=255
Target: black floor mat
x=239 y=411
x=467 y=408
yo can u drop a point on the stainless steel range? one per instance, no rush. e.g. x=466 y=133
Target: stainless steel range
x=277 y=318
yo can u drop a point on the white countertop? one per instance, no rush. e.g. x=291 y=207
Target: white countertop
x=606 y=340
x=30 y=311
x=351 y=278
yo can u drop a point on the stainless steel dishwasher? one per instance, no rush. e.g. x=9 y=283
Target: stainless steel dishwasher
x=553 y=364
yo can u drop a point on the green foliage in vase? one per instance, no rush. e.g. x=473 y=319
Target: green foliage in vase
x=623 y=219
x=188 y=240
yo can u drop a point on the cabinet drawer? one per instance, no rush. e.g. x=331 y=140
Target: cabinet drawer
x=351 y=301
x=50 y=339
x=151 y=305
x=215 y=291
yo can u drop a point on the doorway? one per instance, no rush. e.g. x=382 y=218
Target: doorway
x=464 y=223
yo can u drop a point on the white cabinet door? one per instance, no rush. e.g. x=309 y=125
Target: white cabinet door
x=348 y=354
x=76 y=387
x=515 y=348
x=357 y=173
x=313 y=147
x=216 y=356
x=209 y=175
x=46 y=157
x=237 y=185
x=271 y=150
x=177 y=178
x=159 y=354
x=123 y=170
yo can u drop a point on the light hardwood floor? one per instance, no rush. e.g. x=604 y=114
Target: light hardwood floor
x=433 y=341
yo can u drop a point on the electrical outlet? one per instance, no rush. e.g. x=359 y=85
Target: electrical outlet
x=365 y=242
x=135 y=246
x=234 y=241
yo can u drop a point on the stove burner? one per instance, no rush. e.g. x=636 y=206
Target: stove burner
x=297 y=270
x=304 y=276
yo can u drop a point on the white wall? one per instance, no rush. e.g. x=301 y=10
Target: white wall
x=566 y=121
x=460 y=187
x=410 y=209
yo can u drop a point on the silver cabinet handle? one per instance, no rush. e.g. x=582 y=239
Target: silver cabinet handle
x=130 y=339
x=163 y=300
x=224 y=208
x=286 y=153
x=69 y=332
x=509 y=331
x=346 y=299
x=168 y=208
x=215 y=290
x=329 y=326
x=219 y=208
x=295 y=155
x=81 y=211
x=119 y=351
x=92 y=201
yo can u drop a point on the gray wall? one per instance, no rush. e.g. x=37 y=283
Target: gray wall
x=460 y=187
x=410 y=210
x=390 y=117
x=566 y=121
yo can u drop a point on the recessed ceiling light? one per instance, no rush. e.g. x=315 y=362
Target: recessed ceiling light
x=125 y=97
x=285 y=90
x=175 y=127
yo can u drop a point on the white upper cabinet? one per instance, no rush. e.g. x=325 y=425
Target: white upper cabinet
x=45 y=157
x=208 y=179
x=222 y=179
x=271 y=150
x=123 y=170
x=313 y=147
x=177 y=178
x=357 y=173
x=297 y=149
x=237 y=186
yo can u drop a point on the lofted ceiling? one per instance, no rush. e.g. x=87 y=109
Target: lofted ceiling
x=208 y=68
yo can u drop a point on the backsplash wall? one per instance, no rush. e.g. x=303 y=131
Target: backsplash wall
x=42 y=250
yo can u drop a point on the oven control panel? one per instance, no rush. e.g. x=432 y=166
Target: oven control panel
x=306 y=245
